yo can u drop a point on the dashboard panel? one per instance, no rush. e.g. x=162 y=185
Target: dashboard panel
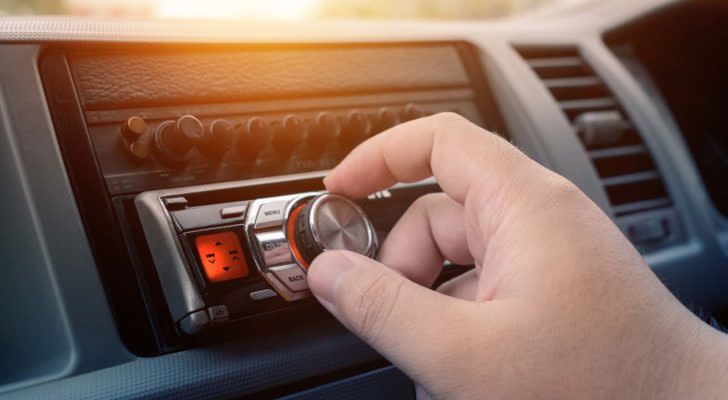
x=94 y=117
x=150 y=118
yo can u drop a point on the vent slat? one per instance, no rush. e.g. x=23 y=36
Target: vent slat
x=574 y=108
x=588 y=104
x=630 y=178
x=559 y=67
x=560 y=83
x=617 y=151
x=635 y=191
x=630 y=208
x=557 y=62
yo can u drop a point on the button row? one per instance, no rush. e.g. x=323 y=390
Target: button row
x=275 y=259
x=173 y=141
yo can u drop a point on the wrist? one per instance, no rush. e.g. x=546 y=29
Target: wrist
x=694 y=360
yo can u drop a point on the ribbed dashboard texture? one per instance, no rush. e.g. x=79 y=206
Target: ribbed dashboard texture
x=111 y=80
x=245 y=367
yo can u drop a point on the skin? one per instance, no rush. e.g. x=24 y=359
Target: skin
x=559 y=305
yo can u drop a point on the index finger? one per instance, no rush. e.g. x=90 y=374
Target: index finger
x=458 y=153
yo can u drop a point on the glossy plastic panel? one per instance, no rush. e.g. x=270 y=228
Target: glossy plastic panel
x=56 y=319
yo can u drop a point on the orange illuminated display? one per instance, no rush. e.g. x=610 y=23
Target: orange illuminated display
x=221 y=256
x=291 y=235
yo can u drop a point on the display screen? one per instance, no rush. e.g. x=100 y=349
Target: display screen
x=221 y=256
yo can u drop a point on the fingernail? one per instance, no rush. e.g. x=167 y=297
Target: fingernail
x=325 y=272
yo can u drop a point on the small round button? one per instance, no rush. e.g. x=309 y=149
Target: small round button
x=133 y=127
x=174 y=140
x=253 y=136
x=356 y=129
x=324 y=130
x=410 y=112
x=134 y=139
x=218 y=137
x=189 y=128
x=288 y=135
x=331 y=222
x=384 y=119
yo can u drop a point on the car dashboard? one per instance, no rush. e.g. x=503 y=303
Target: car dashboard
x=130 y=149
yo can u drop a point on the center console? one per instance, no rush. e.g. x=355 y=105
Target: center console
x=197 y=169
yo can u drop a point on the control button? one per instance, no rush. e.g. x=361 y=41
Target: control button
x=270 y=215
x=133 y=127
x=410 y=112
x=324 y=130
x=356 y=129
x=218 y=138
x=194 y=323
x=174 y=140
x=218 y=313
x=221 y=256
x=253 y=136
x=233 y=212
x=262 y=294
x=175 y=203
x=288 y=135
x=384 y=119
x=330 y=222
x=292 y=276
x=648 y=231
x=273 y=247
x=133 y=138
x=283 y=290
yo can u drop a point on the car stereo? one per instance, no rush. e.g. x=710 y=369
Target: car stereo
x=223 y=261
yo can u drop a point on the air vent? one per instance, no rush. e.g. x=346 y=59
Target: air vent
x=624 y=164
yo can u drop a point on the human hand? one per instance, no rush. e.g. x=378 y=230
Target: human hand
x=559 y=305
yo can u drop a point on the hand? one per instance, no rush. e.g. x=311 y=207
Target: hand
x=559 y=305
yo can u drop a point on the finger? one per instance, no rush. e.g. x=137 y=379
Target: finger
x=458 y=153
x=431 y=231
x=403 y=321
x=464 y=286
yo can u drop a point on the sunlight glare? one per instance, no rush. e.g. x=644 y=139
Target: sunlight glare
x=237 y=9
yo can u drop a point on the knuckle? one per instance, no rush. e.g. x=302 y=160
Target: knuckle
x=427 y=201
x=446 y=120
x=375 y=306
x=563 y=191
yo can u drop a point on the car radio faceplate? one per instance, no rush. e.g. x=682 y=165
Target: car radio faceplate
x=221 y=262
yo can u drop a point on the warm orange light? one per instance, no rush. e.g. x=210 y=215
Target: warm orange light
x=221 y=256
x=291 y=230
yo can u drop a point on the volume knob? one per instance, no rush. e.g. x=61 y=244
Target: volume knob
x=331 y=222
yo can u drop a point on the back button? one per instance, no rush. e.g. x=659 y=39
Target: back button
x=292 y=276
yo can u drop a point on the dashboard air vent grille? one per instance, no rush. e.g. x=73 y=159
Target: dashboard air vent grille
x=620 y=157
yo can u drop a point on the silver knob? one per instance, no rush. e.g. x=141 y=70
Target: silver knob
x=333 y=222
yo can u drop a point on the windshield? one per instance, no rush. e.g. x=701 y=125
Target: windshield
x=279 y=9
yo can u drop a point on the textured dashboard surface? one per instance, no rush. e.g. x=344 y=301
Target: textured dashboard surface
x=221 y=371
x=382 y=384
x=111 y=80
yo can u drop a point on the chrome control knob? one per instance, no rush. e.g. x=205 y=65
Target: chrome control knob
x=332 y=222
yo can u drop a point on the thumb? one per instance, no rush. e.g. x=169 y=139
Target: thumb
x=405 y=322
